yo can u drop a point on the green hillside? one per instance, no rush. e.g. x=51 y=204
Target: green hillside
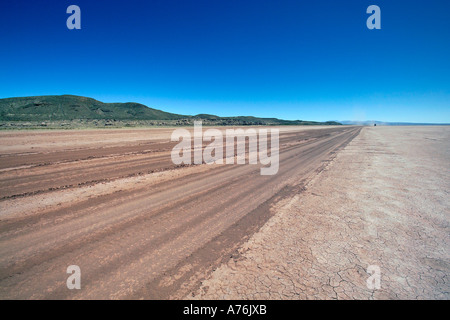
x=75 y=108
x=68 y=107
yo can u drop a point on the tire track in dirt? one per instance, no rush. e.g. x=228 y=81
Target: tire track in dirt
x=157 y=240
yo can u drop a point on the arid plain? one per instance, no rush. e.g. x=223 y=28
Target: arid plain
x=140 y=227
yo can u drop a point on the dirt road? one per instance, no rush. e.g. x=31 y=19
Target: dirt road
x=382 y=202
x=138 y=226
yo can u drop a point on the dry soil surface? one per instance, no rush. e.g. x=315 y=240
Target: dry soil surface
x=383 y=201
x=138 y=226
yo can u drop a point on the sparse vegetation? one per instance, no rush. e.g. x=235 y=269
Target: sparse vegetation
x=68 y=111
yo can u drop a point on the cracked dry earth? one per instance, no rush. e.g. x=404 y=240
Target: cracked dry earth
x=383 y=201
x=138 y=226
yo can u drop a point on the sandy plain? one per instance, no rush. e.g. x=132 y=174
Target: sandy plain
x=139 y=227
x=382 y=201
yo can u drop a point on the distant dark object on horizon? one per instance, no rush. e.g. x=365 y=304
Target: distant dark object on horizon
x=382 y=123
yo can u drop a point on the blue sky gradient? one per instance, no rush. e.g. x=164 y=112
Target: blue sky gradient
x=290 y=59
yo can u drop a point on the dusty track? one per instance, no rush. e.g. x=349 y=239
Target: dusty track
x=155 y=233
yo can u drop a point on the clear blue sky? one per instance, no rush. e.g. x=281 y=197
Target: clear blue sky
x=296 y=59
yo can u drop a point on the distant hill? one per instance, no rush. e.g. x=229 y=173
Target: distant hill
x=70 y=108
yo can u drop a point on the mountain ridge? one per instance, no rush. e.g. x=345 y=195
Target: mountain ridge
x=71 y=107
